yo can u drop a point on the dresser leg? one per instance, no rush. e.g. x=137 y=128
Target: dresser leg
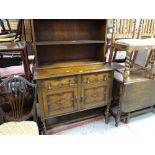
x=107 y=114
x=118 y=115
x=127 y=118
x=44 y=127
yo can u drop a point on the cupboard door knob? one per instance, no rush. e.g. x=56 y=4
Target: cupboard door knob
x=82 y=99
x=74 y=99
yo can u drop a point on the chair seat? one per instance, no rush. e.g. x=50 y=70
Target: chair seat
x=19 y=128
x=137 y=42
x=13 y=70
x=2 y=36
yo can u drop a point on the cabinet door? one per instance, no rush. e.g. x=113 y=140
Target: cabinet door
x=60 y=101
x=95 y=95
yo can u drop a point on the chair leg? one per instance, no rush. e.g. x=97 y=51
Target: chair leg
x=153 y=109
x=115 y=53
x=111 y=55
x=35 y=117
x=107 y=113
x=117 y=116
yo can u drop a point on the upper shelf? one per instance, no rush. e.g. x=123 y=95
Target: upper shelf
x=70 y=42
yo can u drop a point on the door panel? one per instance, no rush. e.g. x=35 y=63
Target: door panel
x=60 y=101
x=94 y=95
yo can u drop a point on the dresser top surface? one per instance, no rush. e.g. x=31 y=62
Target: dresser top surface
x=40 y=74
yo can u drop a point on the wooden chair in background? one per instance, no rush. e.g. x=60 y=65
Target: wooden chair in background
x=14 y=51
x=146 y=31
x=122 y=29
x=19 y=106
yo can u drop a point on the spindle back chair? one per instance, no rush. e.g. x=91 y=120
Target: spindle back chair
x=19 y=93
x=122 y=29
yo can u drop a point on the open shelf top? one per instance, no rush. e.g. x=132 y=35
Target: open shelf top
x=70 y=42
x=69 y=29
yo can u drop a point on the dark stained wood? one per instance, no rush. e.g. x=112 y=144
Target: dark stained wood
x=70 y=66
x=61 y=30
x=70 y=42
x=57 y=53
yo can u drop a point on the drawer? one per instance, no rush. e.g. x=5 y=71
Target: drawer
x=60 y=82
x=96 y=77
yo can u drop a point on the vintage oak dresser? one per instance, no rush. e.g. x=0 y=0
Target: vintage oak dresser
x=71 y=72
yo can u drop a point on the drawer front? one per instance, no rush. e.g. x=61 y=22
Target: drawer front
x=96 y=77
x=95 y=95
x=60 y=82
x=61 y=101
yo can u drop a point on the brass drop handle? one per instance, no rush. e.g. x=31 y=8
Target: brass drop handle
x=88 y=80
x=71 y=83
x=59 y=86
x=49 y=86
x=95 y=95
x=105 y=77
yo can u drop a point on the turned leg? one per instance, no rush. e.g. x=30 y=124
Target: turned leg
x=118 y=115
x=44 y=127
x=152 y=63
x=114 y=55
x=34 y=114
x=111 y=55
x=107 y=113
x=127 y=118
x=153 y=109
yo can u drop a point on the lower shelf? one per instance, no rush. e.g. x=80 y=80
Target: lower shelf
x=73 y=118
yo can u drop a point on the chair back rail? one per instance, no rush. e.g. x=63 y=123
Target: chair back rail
x=123 y=28
x=146 y=28
x=17 y=89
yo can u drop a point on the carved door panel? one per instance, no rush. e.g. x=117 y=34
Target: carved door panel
x=94 y=95
x=60 y=101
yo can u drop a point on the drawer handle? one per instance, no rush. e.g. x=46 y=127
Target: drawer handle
x=105 y=77
x=49 y=86
x=71 y=83
x=59 y=86
x=88 y=80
